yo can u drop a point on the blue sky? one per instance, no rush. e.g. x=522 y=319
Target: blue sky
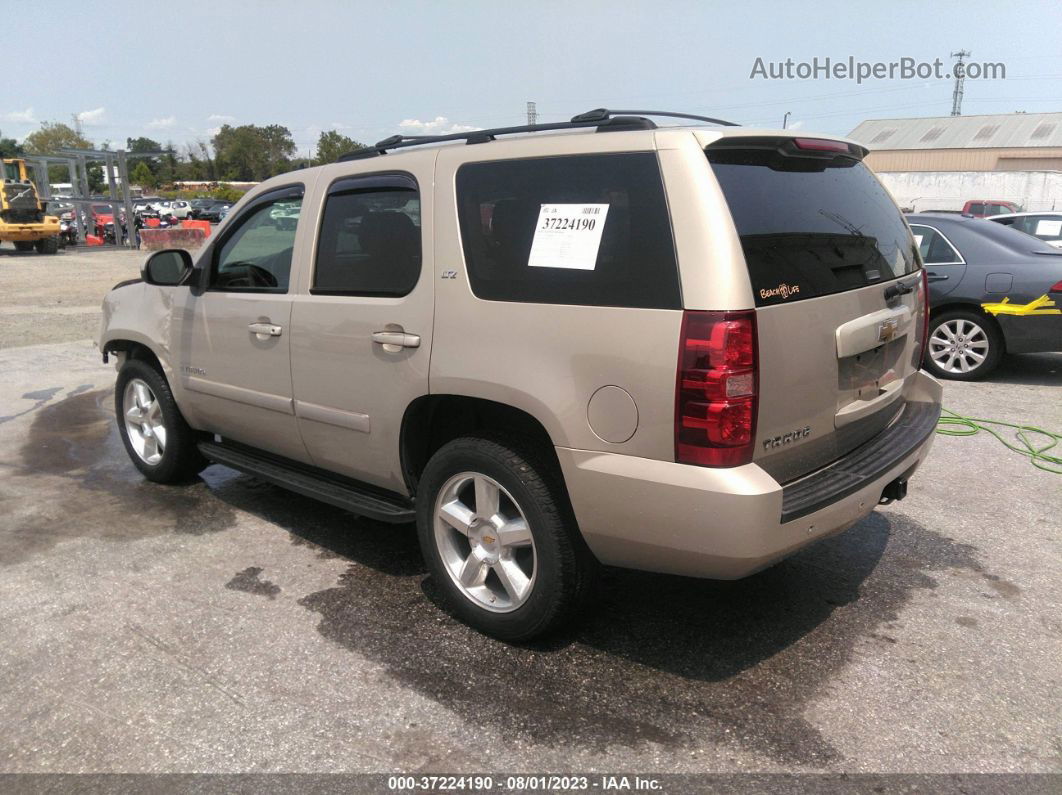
x=175 y=71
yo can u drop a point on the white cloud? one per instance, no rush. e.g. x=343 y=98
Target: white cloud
x=220 y=118
x=795 y=125
x=162 y=124
x=338 y=125
x=19 y=117
x=440 y=125
x=213 y=131
x=93 y=117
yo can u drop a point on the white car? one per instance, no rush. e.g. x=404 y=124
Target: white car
x=1045 y=225
x=179 y=208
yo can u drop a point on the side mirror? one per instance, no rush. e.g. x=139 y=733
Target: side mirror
x=167 y=268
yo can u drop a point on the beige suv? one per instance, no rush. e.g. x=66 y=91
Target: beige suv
x=691 y=350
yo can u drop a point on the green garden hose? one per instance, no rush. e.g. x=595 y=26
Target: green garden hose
x=952 y=424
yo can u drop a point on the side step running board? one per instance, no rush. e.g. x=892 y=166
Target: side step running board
x=348 y=496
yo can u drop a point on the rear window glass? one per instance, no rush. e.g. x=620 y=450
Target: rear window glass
x=811 y=227
x=581 y=229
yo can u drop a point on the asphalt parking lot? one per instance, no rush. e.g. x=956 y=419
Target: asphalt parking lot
x=231 y=626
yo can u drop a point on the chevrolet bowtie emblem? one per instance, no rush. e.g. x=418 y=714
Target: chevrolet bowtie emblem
x=887 y=329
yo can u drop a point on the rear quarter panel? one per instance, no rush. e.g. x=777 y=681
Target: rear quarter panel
x=550 y=359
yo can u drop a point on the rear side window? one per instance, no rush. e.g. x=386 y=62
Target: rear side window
x=1045 y=227
x=581 y=229
x=934 y=247
x=369 y=242
x=811 y=227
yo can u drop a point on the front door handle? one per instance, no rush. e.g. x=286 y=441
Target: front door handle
x=396 y=339
x=263 y=330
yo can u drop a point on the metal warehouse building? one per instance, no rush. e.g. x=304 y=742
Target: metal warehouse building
x=939 y=163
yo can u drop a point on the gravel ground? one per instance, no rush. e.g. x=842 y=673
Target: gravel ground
x=230 y=626
x=57 y=298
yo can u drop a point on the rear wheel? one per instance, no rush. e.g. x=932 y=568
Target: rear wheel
x=499 y=539
x=963 y=346
x=24 y=245
x=156 y=437
x=48 y=245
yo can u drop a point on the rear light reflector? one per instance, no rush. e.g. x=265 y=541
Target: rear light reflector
x=820 y=145
x=716 y=392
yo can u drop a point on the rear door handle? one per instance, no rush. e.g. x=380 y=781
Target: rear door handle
x=263 y=330
x=397 y=339
x=933 y=276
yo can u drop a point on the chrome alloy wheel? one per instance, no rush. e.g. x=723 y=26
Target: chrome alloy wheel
x=484 y=542
x=143 y=421
x=958 y=346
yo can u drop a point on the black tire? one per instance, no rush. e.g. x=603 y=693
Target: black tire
x=976 y=332
x=48 y=245
x=24 y=245
x=180 y=459
x=564 y=570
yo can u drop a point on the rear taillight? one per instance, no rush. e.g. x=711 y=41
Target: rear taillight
x=922 y=305
x=1057 y=288
x=716 y=390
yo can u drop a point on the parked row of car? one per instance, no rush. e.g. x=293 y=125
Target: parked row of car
x=199 y=209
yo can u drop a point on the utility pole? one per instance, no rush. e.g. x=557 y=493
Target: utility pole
x=960 y=76
x=532 y=113
x=785 y=118
x=77 y=123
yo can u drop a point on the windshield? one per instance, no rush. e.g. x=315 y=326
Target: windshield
x=811 y=227
x=11 y=172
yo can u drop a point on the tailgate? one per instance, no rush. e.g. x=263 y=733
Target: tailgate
x=838 y=288
x=833 y=372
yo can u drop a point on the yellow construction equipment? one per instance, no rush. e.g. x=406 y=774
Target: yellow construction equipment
x=22 y=218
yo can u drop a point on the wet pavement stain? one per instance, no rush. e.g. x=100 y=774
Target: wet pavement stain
x=1007 y=590
x=248 y=581
x=665 y=660
x=43 y=395
x=40 y=396
x=73 y=479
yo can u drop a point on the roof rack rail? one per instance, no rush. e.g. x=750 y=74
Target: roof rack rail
x=603 y=114
x=602 y=118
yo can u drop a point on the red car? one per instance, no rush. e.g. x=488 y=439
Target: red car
x=979 y=208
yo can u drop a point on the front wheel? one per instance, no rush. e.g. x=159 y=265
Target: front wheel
x=963 y=346
x=48 y=245
x=156 y=436
x=499 y=540
x=24 y=245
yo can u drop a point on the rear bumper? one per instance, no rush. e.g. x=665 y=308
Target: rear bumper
x=728 y=523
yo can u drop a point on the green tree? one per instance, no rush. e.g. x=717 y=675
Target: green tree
x=252 y=153
x=167 y=170
x=54 y=135
x=331 y=144
x=139 y=146
x=94 y=172
x=142 y=176
x=9 y=147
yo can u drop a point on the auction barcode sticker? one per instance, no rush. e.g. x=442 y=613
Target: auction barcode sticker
x=568 y=236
